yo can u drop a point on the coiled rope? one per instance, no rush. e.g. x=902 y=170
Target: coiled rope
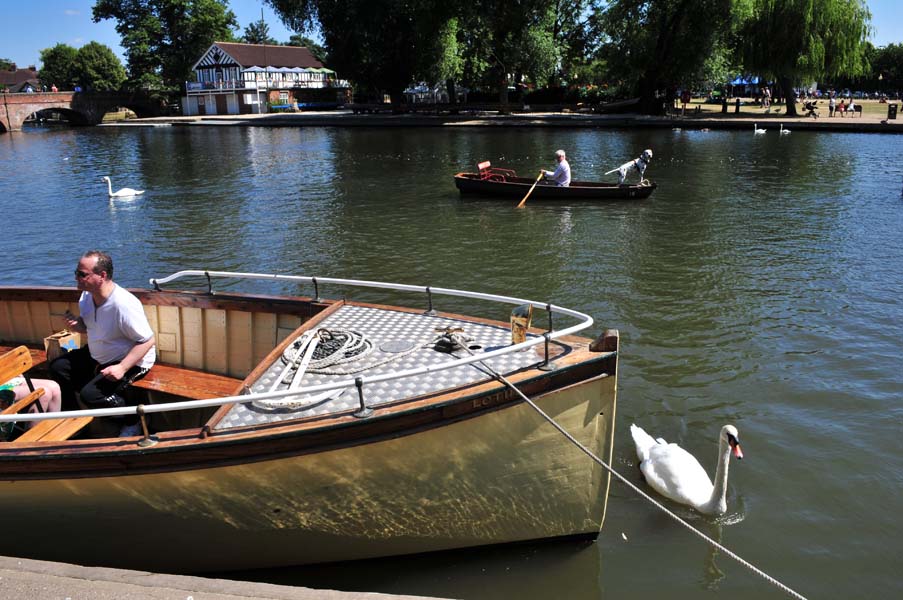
x=643 y=494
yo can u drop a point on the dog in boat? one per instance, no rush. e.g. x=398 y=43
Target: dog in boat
x=639 y=165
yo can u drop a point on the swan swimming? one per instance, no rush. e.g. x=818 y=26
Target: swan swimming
x=124 y=192
x=676 y=474
x=784 y=131
x=758 y=131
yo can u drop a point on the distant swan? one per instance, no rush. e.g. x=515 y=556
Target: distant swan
x=676 y=474
x=124 y=192
x=784 y=131
x=756 y=129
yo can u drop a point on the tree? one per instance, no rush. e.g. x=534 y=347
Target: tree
x=58 y=67
x=316 y=49
x=395 y=42
x=98 y=69
x=258 y=32
x=7 y=65
x=655 y=46
x=163 y=38
x=887 y=67
x=796 y=41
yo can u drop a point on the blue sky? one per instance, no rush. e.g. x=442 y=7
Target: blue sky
x=32 y=25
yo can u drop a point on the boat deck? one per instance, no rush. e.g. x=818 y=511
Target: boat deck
x=401 y=341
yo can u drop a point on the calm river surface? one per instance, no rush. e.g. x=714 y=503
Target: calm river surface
x=760 y=285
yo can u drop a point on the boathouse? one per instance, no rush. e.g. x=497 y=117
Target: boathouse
x=233 y=78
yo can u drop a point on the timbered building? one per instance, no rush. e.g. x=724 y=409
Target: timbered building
x=233 y=78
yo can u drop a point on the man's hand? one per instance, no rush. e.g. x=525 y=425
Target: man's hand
x=113 y=372
x=74 y=323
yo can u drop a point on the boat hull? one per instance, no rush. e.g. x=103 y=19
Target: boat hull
x=517 y=187
x=503 y=476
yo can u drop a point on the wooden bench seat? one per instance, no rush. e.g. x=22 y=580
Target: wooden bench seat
x=185 y=383
x=188 y=383
x=56 y=430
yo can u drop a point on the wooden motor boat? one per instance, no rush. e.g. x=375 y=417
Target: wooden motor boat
x=489 y=181
x=256 y=455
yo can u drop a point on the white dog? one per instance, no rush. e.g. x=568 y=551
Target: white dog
x=638 y=164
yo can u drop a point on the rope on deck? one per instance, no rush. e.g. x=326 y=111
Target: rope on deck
x=790 y=592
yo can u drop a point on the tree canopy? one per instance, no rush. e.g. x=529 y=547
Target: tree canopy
x=258 y=32
x=7 y=65
x=94 y=67
x=163 y=38
x=797 y=41
x=316 y=49
x=58 y=67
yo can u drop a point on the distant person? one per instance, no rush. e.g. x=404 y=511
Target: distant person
x=53 y=88
x=562 y=174
x=841 y=108
x=120 y=347
x=832 y=106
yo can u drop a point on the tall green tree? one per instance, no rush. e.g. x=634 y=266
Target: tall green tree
x=655 y=46
x=797 y=41
x=382 y=45
x=316 y=49
x=7 y=65
x=258 y=32
x=887 y=67
x=58 y=67
x=163 y=38
x=98 y=69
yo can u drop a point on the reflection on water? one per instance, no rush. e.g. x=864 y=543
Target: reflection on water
x=759 y=285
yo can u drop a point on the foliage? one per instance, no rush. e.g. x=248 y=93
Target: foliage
x=98 y=69
x=795 y=41
x=887 y=62
x=7 y=65
x=655 y=46
x=400 y=40
x=316 y=49
x=58 y=67
x=258 y=32
x=163 y=38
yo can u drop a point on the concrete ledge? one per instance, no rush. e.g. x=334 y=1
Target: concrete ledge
x=24 y=578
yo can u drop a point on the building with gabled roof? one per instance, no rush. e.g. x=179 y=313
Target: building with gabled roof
x=234 y=78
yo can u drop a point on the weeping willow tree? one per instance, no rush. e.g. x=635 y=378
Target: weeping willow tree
x=792 y=41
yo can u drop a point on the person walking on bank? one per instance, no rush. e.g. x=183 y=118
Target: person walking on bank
x=120 y=347
x=562 y=174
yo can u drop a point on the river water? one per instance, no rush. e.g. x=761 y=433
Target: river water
x=759 y=285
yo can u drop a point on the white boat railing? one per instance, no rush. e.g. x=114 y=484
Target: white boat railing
x=585 y=321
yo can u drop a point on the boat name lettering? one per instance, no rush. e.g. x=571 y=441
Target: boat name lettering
x=492 y=399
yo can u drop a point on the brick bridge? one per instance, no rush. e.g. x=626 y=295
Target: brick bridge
x=82 y=108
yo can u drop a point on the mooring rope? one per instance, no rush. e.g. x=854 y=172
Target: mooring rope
x=643 y=494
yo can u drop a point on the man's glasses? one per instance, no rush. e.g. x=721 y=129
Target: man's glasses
x=81 y=274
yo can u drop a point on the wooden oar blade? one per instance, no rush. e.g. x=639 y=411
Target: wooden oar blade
x=521 y=203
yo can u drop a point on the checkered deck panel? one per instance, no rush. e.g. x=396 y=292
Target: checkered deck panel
x=382 y=326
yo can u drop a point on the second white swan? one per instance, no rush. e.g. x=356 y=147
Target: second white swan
x=676 y=474
x=120 y=193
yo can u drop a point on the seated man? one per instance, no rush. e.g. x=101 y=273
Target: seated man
x=120 y=346
x=562 y=175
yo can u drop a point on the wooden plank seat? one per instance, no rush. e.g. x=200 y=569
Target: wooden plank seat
x=188 y=383
x=55 y=430
x=17 y=361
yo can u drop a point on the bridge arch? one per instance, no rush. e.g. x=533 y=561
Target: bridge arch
x=87 y=108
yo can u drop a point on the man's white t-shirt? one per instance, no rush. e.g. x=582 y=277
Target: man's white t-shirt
x=116 y=326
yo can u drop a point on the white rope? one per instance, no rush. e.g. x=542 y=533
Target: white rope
x=643 y=494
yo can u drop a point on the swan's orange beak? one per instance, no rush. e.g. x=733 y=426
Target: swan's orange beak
x=735 y=446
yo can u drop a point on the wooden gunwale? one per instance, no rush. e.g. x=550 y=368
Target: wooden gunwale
x=203 y=448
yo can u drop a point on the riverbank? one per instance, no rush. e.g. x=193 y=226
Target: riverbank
x=23 y=578
x=866 y=123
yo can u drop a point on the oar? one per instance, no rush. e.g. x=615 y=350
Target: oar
x=521 y=205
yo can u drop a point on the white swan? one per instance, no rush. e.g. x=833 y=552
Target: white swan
x=758 y=131
x=784 y=131
x=676 y=474
x=120 y=193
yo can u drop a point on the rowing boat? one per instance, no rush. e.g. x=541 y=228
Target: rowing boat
x=255 y=453
x=491 y=181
